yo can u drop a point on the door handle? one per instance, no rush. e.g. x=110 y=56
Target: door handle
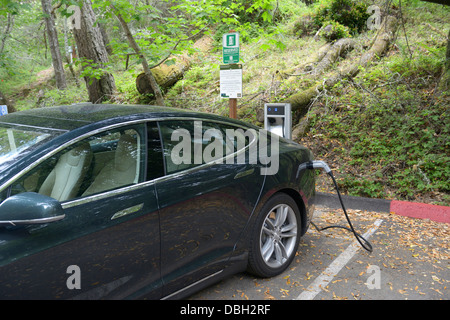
x=244 y=173
x=127 y=211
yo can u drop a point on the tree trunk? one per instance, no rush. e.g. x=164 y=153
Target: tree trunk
x=8 y=30
x=54 y=45
x=300 y=101
x=149 y=75
x=106 y=40
x=92 y=49
x=167 y=75
x=308 y=64
x=338 y=49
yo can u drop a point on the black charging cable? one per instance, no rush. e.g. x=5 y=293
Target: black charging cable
x=317 y=164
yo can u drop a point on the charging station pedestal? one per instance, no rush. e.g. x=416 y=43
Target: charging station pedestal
x=278 y=119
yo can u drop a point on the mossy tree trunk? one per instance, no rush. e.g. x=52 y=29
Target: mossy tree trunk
x=339 y=49
x=166 y=75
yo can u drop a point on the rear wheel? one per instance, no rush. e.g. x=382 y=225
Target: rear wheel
x=275 y=237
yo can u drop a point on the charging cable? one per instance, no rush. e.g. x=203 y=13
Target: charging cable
x=317 y=164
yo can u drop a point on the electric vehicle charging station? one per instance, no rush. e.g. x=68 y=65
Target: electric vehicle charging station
x=278 y=119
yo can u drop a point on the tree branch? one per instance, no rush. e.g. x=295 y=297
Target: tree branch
x=175 y=46
x=133 y=44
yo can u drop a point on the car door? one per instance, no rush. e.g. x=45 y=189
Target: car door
x=203 y=206
x=108 y=244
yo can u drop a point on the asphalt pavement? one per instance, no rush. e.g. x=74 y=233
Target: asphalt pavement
x=409 y=261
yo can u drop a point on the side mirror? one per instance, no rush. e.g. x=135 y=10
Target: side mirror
x=30 y=208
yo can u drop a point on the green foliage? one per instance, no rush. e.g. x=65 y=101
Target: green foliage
x=91 y=70
x=126 y=86
x=393 y=127
x=304 y=26
x=13 y=7
x=196 y=81
x=349 y=13
x=337 y=31
x=52 y=96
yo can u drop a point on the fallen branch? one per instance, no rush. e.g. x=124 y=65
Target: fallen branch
x=338 y=49
x=167 y=75
x=308 y=64
x=301 y=101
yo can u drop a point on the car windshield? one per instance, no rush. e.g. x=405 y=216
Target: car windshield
x=17 y=140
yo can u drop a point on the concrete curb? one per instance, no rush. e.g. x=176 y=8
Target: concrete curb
x=403 y=208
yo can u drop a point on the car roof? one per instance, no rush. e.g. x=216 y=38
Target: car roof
x=70 y=117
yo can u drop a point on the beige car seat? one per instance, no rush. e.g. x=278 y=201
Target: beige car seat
x=120 y=171
x=64 y=180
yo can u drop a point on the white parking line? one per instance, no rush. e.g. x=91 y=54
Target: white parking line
x=336 y=266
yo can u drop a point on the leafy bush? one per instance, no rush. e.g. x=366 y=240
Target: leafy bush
x=334 y=31
x=352 y=14
x=389 y=140
x=304 y=26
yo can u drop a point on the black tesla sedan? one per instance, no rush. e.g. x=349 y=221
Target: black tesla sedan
x=127 y=201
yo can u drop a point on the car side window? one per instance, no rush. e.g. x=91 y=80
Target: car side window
x=102 y=162
x=237 y=138
x=187 y=144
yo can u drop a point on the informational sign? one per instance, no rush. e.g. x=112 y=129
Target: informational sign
x=230 y=48
x=231 y=81
x=3 y=110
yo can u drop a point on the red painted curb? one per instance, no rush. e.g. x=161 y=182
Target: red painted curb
x=421 y=210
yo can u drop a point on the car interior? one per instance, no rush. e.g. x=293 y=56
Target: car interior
x=104 y=163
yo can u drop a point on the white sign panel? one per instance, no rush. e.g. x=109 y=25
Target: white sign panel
x=231 y=81
x=3 y=110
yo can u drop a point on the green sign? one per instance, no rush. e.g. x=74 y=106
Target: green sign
x=230 y=48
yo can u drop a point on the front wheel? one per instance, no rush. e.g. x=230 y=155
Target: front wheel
x=275 y=237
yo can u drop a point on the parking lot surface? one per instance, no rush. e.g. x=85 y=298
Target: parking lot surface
x=410 y=260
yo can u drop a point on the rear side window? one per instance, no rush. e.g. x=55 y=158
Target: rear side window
x=187 y=144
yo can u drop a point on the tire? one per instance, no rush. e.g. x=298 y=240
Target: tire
x=275 y=237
